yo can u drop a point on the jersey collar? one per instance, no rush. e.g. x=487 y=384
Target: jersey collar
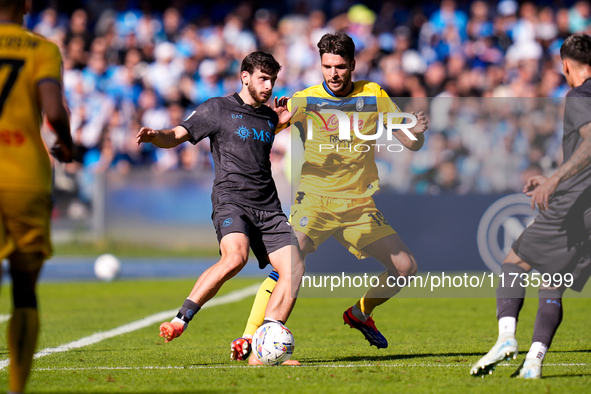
x=238 y=98
x=327 y=89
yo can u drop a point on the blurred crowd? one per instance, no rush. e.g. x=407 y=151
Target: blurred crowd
x=131 y=63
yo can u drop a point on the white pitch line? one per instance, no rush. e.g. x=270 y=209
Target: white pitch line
x=234 y=296
x=298 y=366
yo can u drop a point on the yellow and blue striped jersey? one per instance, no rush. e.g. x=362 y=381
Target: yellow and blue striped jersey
x=334 y=167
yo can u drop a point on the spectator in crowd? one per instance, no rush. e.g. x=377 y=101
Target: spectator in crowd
x=126 y=65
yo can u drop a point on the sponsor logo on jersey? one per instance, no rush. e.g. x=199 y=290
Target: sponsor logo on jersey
x=228 y=222
x=257 y=135
x=243 y=133
x=500 y=226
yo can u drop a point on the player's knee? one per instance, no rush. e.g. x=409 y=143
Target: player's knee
x=408 y=267
x=298 y=268
x=23 y=293
x=25 y=300
x=551 y=293
x=234 y=262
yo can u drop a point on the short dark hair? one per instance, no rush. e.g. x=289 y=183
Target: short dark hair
x=338 y=43
x=262 y=61
x=577 y=47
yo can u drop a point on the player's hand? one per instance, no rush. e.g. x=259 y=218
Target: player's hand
x=542 y=190
x=61 y=152
x=280 y=108
x=532 y=183
x=146 y=135
x=422 y=123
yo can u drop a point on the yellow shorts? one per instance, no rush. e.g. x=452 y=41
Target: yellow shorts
x=355 y=223
x=25 y=222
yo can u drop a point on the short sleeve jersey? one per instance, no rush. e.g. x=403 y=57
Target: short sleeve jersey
x=348 y=169
x=577 y=113
x=241 y=137
x=26 y=59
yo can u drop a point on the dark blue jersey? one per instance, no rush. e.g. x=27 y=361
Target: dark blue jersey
x=241 y=137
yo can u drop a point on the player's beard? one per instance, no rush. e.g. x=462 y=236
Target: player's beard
x=344 y=85
x=256 y=96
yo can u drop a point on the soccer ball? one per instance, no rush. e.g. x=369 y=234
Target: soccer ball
x=272 y=343
x=107 y=267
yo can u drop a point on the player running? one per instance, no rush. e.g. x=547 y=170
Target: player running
x=32 y=67
x=558 y=242
x=335 y=196
x=246 y=208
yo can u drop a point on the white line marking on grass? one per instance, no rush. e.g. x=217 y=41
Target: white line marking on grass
x=233 y=296
x=298 y=366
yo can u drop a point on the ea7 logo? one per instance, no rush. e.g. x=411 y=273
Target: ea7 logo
x=235 y=116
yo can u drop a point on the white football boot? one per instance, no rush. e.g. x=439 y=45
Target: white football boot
x=530 y=369
x=504 y=349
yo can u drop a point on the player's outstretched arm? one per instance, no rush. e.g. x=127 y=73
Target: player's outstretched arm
x=54 y=107
x=580 y=160
x=281 y=108
x=167 y=138
x=418 y=130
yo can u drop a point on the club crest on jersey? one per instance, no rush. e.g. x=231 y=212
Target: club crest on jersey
x=243 y=133
x=227 y=222
x=359 y=104
x=304 y=221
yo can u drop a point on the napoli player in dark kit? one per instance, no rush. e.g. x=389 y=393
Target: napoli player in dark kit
x=246 y=208
x=558 y=242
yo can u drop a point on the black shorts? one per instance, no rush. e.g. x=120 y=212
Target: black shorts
x=559 y=239
x=267 y=231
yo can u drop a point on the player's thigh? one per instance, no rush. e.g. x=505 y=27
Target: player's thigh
x=314 y=217
x=233 y=226
x=26 y=220
x=393 y=253
x=513 y=258
x=363 y=224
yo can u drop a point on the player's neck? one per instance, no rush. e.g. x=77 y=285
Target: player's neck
x=11 y=17
x=579 y=75
x=247 y=98
x=346 y=91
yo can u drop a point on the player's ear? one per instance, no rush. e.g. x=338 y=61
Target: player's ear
x=353 y=65
x=565 y=68
x=245 y=77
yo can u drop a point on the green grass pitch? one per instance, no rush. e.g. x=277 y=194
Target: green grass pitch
x=433 y=343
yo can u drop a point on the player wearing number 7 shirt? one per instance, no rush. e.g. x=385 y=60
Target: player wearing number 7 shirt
x=335 y=193
x=31 y=83
x=558 y=242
